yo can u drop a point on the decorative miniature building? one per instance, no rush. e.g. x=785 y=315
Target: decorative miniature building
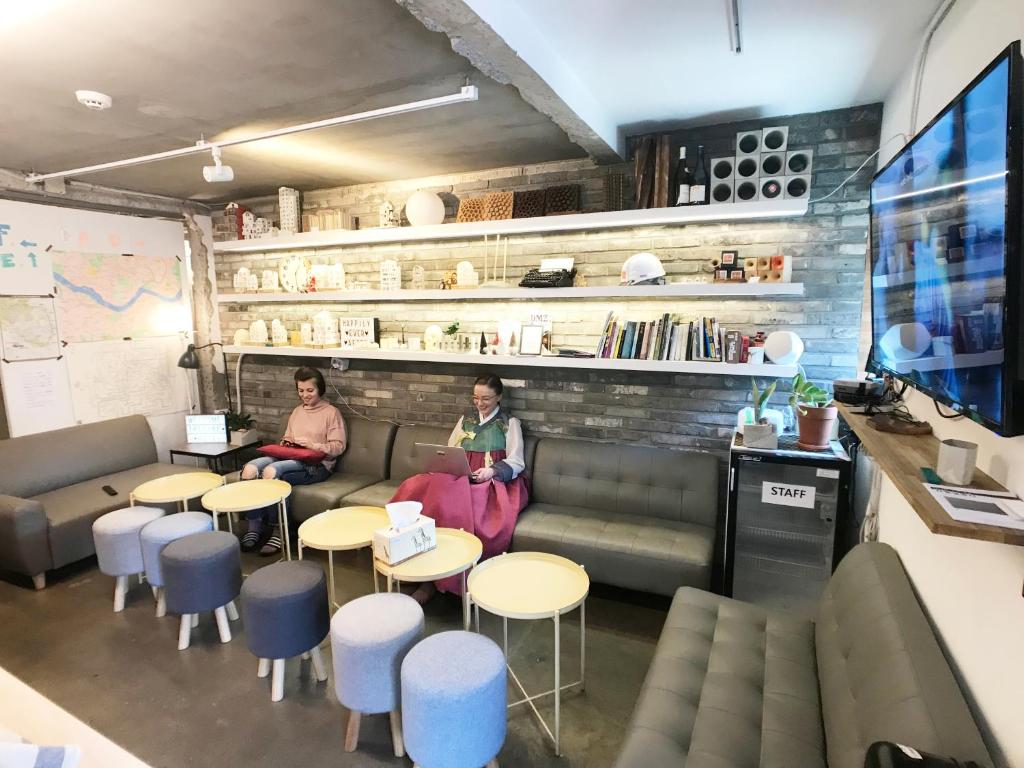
x=289 y=210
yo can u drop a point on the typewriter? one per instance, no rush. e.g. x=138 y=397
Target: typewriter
x=555 y=278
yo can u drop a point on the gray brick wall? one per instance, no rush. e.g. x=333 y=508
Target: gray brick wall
x=828 y=248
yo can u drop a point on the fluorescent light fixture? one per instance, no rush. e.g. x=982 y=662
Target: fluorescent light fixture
x=217 y=172
x=467 y=93
x=732 y=16
x=941 y=187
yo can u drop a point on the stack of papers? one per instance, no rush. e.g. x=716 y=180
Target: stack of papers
x=973 y=505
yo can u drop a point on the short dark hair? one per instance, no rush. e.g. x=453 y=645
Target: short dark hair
x=490 y=381
x=306 y=374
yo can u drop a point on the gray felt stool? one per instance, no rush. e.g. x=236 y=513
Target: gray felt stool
x=286 y=614
x=202 y=572
x=118 y=549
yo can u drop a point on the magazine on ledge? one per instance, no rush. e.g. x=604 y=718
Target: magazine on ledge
x=973 y=505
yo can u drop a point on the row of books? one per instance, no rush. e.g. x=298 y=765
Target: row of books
x=669 y=337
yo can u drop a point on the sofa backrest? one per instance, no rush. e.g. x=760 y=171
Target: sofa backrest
x=883 y=676
x=38 y=463
x=368 y=447
x=403 y=452
x=655 y=482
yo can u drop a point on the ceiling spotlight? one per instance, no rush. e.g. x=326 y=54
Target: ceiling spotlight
x=94 y=99
x=217 y=172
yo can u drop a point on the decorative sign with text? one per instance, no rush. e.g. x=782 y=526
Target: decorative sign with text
x=359 y=330
x=788 y=495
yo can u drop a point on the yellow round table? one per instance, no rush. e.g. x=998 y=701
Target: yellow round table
x=246 y=495
x=177 y=488
x=341 y=529
x=456 y=552
x=533 y=585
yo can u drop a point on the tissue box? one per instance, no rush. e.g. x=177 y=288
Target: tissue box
x=393 y=545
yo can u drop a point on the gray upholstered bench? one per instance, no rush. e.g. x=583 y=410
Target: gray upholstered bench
x=738 y=685
x=401 y=466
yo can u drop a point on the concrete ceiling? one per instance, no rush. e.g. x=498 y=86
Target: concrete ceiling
x=632 y=66
x=211 y=67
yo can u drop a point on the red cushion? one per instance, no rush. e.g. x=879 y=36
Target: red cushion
x=305 y=455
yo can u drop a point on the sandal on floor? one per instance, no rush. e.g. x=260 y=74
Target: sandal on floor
x=250 y=541
x=272 y=547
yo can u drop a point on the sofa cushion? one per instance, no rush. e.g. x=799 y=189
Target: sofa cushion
x=628 y=551
x=72 y=509
x=651 y=482
x=309 y=500
x=731 y=685
x=403 y=454
x=883 y=675
x=376 y=495
x=35 y=464
x=368 y=448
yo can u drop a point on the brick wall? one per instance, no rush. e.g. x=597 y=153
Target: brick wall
x=686 y=411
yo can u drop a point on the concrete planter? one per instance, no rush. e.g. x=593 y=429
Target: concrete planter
x=242 y=437
x=760 y=436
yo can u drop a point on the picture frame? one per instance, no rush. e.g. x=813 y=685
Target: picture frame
x=531 y=340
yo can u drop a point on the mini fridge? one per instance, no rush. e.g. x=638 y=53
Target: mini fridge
x=785 y=507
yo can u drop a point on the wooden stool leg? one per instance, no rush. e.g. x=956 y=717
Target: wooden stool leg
x=232 y=611
x=221 y=615
x=277 y=680
x=39 y=580
x=120 y=590
x=161 y=603
x=352 y=731
x=319 y=668
x=396 y=733
x=185 y=631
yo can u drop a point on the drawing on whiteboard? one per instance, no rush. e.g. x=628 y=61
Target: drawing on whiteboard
x=24 y=271
x=28 y=329
x=120 y=378
x=37 y=396
x=112 y=296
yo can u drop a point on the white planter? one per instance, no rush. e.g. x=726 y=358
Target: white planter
x=242 y=437
x=761 y=436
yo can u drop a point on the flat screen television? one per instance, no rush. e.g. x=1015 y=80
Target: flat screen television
x=946 y=238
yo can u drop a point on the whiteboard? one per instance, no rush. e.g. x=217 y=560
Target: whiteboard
x=36 y=395
x=120 y=378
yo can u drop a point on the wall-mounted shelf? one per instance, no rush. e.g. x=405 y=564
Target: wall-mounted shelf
x=545 y=361
x=692 y=290
x=699 y=214
x=901 y=458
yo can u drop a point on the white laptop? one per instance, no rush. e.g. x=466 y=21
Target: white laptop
x=442 y=458
x=204 y=428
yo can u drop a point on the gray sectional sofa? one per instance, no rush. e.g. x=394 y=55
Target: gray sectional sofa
x=732 y=684
x=51 y=489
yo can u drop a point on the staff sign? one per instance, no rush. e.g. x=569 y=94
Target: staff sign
x=788 y=495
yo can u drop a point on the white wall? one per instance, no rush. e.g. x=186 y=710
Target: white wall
x=971 y=590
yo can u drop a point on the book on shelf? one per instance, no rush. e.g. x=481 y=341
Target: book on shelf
x=670 y=338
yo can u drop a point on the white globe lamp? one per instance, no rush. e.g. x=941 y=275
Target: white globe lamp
x=424 y=208
x=783 y=347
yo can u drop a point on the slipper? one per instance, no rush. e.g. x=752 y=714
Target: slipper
x=272 y=547
x=250 y=541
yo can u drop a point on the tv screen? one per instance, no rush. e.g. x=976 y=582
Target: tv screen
x=945 y=251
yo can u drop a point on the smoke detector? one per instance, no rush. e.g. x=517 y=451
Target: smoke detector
x=94 y=99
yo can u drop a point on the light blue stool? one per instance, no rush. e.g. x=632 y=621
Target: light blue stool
x=118 y=549
x=157 y=535
x=454 y=701
x=369 y=638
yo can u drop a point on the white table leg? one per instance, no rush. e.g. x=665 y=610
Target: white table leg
x=221 y=615
x=277 y=680
x=476 y=612
x=558 y=688
x=184 y=505
x=504 y=633
x=131 y=499
x=583 y=645
x=465 y=603
x=231 y=521
x=330 y=578
x=216 y=520
x=373 y=570
x=283 y=506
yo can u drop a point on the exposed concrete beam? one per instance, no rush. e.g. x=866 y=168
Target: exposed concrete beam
x=472 y=38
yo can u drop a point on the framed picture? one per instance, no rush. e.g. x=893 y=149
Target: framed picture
x=531 y=340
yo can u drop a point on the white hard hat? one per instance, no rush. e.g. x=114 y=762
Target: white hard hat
x=642 y=268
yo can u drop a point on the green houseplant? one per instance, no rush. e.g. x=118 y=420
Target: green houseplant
x=761 y=433
x=242 y=428
x=814 y=412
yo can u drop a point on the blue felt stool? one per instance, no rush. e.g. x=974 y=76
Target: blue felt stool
x=118 y=550
x=454 y=701
x=202 y=572
x=286 y=614
x=157 y=535
x=370 y=637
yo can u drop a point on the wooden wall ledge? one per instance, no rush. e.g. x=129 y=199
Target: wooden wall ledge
x=901 y=457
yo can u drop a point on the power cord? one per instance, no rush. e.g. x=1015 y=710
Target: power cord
x=951 y=416
x=341 y=398
x=871 y=157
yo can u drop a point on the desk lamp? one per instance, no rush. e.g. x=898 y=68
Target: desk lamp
x=189 y=359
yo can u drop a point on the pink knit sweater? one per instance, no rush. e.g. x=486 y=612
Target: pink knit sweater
x=320 y=428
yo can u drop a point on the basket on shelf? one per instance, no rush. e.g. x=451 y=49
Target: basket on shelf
x=562 y=199
x=498 y=206
x=528 y=204
x=470 y=209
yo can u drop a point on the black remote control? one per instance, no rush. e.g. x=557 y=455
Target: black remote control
x=109 y=491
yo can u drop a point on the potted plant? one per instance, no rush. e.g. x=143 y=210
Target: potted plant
x=761 y=433
x=815 y=413
x=242 y=428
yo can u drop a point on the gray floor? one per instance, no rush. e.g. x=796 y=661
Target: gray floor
x=123 y=675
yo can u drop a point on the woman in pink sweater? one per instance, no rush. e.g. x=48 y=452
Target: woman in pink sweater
x=315 y=424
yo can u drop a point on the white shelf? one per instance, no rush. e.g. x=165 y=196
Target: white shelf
x=718 y=212
x=942 y=271
x=927 y=364
x=546 y=361
x=696 y=290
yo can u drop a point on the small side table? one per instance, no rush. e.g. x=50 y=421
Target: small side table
x=247 y=495
x=214 y=453
x=456 y=552
x=341 y=529
x=534 y=585
x=176 y=488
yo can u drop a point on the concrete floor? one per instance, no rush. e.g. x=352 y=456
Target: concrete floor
x=123 y=675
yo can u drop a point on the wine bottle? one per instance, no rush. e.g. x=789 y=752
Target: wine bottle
x=683 y=180
x=699 y=187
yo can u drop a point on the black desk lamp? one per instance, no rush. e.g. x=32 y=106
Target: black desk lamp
x=189 y=359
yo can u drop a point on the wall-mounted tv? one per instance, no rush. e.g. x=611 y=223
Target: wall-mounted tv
x=946 y=238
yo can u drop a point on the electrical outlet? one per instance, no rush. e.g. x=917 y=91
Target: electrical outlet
x=339 y=363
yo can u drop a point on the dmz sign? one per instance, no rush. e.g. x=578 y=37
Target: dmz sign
x=788 y=495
